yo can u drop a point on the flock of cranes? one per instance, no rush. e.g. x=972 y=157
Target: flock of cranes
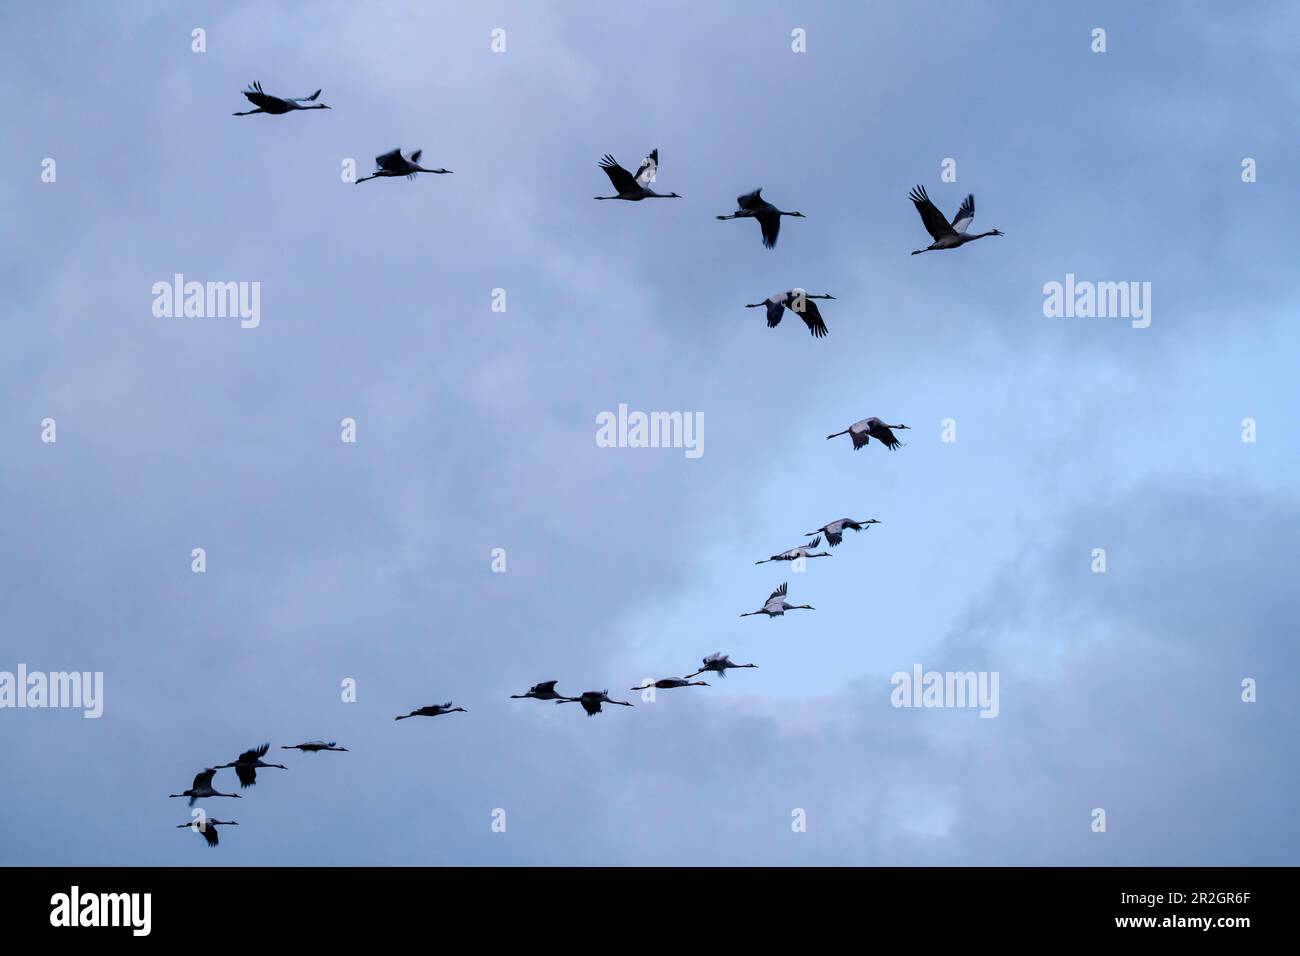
x=245 y=766
x=630 y=187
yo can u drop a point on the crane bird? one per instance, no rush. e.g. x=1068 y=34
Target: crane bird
x=543 y=691
x=719 y=663
x=634 y=188
x=862 y=432
x=397 y=163
x=947 y=235
x=835 y=530
x=775 y=606
x=246 y=765
x=312 y=746
x=203 y=787
x=591 y=701
x=799 y=302
x=433 y=710
x=803 y=551
x=266 y=103
x=668 y=683
x=208 y=827
x=754 y=206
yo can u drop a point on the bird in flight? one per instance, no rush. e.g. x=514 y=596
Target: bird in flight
x=862 y=432
x=396 y=163
x=776 y=606
x=835 y=530
x=312 y=746
x=634 y=188
x=203 y=787
x=668 y=683
x=591 y=701
x=266 y=103
x=433 y=710
x=718 y=663
x=543 y=691
x=246 y=764
x=754 y=206
x=800 y=303
x=803 y=551
x=208 y=827
x=947 y=235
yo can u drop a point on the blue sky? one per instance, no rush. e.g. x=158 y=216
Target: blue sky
x=476 y=430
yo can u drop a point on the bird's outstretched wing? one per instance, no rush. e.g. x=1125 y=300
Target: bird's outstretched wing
x=934 y=222
x=258 y=98
x=622 y=180
x=209 y=833
x=812 y=317
x=247 y=775
x=775 y=310
x=779 y=592
x=771 y=225
x=965 y=215
x=391 y=160
x=649 y=166
x=834 y=537
x=250 y=755
x=415 y=156
x=544 y=687
x=883 y=434
x=306 y=99
x=750 y=200
x=204 y=778
x=814 y=542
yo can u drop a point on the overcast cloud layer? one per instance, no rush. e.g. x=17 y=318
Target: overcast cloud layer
x=476 y=430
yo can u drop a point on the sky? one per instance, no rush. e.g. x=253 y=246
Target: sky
x=371 y=562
